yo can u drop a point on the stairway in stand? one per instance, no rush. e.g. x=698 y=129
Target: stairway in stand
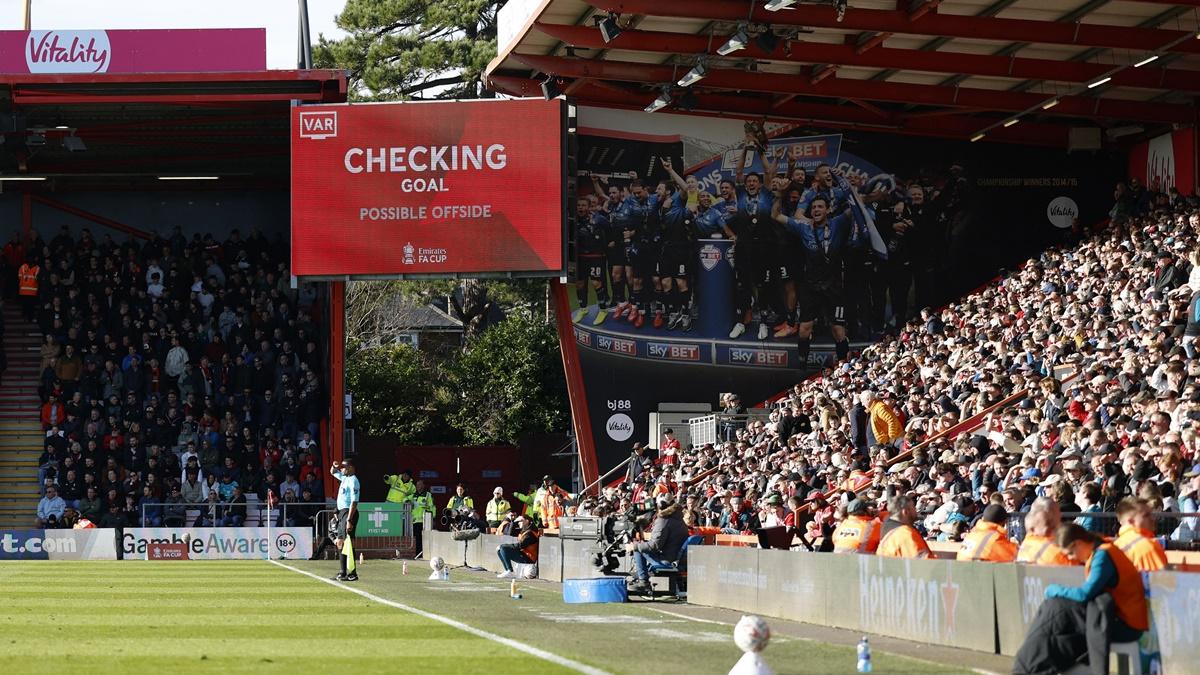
x=20 y=429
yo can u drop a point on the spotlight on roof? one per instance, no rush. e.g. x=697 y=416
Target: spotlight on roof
x=977 y=137
x=663 y=100
x=776 y=5
x=609 y=27
x=694 y=75
x=1049 y=104
x=736 y=42
x=1011 y=122
x=550 y=89
x=1149 y=59
x=1099 y=82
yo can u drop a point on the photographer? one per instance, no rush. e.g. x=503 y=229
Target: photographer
x=663 y=546
x=524 y=551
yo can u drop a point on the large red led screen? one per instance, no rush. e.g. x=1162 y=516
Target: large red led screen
x=439 y=188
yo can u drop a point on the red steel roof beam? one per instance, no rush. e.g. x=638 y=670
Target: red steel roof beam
x=895 y=92
x=896 y=21
x=984 y=65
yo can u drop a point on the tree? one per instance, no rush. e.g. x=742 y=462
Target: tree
x=413 y=49
x=508 y=382
x=394 y=395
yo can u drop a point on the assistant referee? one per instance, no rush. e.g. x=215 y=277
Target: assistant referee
x=347 y=516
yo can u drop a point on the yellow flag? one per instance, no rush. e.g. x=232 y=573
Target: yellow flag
x=348 y=551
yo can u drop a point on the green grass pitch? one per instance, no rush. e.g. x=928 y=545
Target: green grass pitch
x=258 y=617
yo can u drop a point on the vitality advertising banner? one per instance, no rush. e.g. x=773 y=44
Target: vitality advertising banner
x=191 y=50
x=429 y=188
x=90 y=544
x=222 y=543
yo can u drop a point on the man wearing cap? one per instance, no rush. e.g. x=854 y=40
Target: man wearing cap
x=988 y=541
x=1136 y=536
x=400 y=488
x=900 y=539
x=859 y=532
x=1041 y=527
x=496 y=508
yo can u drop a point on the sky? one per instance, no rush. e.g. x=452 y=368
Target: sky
x=279 y=17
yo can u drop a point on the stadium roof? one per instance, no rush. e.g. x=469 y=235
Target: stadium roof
x=951 y=68
x=134 y=128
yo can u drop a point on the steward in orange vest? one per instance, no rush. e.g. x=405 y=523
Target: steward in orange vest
x=900 y=538
x=1136 y=536
x=1041 y=524
x=989 y=542
x=859 y=532
x=27 y=279
x=1061 y=632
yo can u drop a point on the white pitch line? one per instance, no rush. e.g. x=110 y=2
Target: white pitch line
x=499 y=639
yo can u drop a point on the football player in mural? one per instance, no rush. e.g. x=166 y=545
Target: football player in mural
x=591 y=242
x=750 y=230
x=690 y=206
x=825 y=235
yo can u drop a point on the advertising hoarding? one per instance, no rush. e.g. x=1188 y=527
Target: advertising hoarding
x=441 y=188
x=222 y=543
x=190 y=50
x=89 y=544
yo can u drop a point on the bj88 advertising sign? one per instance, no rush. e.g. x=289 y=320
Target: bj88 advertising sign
x=429 y=188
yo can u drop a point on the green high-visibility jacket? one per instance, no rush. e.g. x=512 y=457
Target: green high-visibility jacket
x=531 y=505
x=399 y=490
x=423 y=504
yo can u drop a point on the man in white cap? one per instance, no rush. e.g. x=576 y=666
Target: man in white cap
x=496 y=508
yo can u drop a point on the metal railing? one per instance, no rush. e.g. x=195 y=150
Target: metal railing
x=720 y=427
x=212 y=513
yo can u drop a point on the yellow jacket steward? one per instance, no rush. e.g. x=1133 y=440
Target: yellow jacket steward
x=496 y=508
x=399 y=490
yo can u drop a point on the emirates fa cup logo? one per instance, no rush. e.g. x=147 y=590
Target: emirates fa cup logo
x=408 y=254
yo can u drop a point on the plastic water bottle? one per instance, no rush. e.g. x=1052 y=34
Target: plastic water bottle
x=512 y=590
x=445 y=574
x=864 y=655
x=404 y=567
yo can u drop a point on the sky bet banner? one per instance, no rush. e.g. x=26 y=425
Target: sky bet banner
x=89 y=544
x=435 y=188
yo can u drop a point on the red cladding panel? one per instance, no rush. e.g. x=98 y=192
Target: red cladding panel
x=441 y=188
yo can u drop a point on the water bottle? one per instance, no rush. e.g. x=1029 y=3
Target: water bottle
x=404 y=567
x=864 y=655
x=445 y=574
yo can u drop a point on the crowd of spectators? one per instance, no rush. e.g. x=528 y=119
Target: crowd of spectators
x=175 y=372
x=1099 y=335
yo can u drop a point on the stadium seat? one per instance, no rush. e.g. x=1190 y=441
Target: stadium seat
x=676 y=573
x=1127 y=655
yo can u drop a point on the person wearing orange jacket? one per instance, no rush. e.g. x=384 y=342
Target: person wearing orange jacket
x=27 y=287
x=1136 y=536
x=884 y=423
x=989 y=542
x=859 y=532
x=1061 y=634
x=900 y=539
x=1041 y=524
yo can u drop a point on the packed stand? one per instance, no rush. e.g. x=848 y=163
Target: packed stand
x=177 y=376
x=1101 y=336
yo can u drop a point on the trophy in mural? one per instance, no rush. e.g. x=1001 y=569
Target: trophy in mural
x=756 y=135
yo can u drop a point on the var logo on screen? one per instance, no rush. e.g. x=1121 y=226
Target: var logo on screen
x=318 y=125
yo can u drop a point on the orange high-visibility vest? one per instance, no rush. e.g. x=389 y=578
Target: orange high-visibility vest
x=1040 y=550
x=1129 y=594
x=28 y=277
x=856 y=534
x=1142 y=549
x=989 y=543
x=903 y=541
